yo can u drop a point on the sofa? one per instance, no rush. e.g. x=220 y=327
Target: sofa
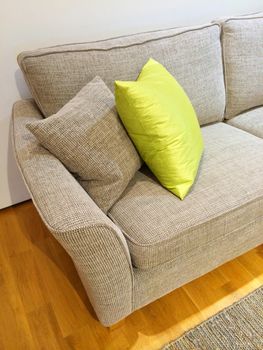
x=150 y=242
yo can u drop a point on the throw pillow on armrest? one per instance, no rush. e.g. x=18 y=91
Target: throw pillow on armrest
x=87 y=136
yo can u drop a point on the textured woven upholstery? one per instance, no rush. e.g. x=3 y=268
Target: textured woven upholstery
x=242 y=46
x=227 y=196
x=192 y=55
x=88 y=137
x=157 y=242
x=96 y=245
x=251 y=121
x=153 y=283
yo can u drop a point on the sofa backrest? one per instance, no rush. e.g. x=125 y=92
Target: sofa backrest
x=192 y=55
x=242 y=45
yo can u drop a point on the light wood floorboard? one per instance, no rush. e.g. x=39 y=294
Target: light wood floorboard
x=43 y=304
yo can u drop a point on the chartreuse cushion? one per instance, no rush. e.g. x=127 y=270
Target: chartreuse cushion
x=162 y=123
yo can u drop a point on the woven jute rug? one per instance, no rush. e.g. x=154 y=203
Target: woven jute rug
x=238 y=327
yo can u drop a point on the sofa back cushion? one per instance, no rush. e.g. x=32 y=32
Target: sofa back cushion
x=242 y=43
x=192 y=56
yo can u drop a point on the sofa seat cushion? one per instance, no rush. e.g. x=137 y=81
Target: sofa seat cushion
x=251 y=121
x=227 y=196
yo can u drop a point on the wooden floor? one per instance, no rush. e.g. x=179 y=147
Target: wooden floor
x=44 y=306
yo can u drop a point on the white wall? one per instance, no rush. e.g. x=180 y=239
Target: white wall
x=30 y=24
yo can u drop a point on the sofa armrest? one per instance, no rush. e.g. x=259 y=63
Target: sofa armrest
x=95 y=244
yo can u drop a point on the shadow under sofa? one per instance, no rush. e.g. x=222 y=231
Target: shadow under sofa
x=150 y=242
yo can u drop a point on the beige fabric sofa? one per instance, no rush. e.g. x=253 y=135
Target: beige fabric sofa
x=151 y=242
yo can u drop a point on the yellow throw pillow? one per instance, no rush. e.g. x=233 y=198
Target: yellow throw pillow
x=162 y=123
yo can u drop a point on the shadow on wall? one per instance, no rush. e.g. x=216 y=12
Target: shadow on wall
x=17 y=188
x=21 y=85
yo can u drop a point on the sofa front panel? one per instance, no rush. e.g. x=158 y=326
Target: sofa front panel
x=192 y=55
x=154 y=283
x=242 y=42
